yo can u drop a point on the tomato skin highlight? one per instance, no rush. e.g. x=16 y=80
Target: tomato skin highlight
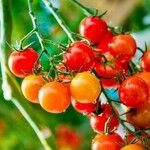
x=132 y=147
x=123 y=47
x=93 y=28
x=133 y=92
x=54 y=97
x=85 y=87
x=79 y=57
x=145 y=61
x=30 y=87
x=107 y=142
x=21 y=63
x=85 y=108
x=97 y=122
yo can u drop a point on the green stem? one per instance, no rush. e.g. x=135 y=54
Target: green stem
x=60 y=21
x=10 y=87
x=34 y=22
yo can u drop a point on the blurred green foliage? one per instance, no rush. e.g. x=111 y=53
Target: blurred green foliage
x=15 y=133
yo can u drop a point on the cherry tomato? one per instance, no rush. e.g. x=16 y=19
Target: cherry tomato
x=123 y=47
x=21 y=63
x=79 y=57
x=30 y=87
x=145 y=61
x=133 y=92
x=85 y=87
x=146 y=77
x=54 y=97
x=133 y=147
x=85 y=108
x=140 y=118
x=109 y=83
x=93 y=28
x=107 y=142
x=98 y=122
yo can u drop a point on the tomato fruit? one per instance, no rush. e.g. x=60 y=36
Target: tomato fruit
x=97 y=122
x=30 y=87
x=145 y=61
x=21 y=63
x=132 y=147
x=93 y=28
x=85 y=87
x=107 y=142
x=140 y=118
x=54 y=97
x=85 y=108
x=123 y=47
x=133 y=92
x=79 y=57
x=146 y=77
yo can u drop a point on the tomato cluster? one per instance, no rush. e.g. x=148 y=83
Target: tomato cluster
x=102 y=59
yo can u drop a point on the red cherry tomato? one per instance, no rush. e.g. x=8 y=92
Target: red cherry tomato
x=79 y=57
x=146 y=77
x=133 y=92
x=54 y=97
x=123 y=47
x=21 y=63
x=93 y=28
x=109 y=83
x=30 y=87
x=145 y=61
x=85 y=108
x=107 y=142
x=140 y=118
x=97 y=122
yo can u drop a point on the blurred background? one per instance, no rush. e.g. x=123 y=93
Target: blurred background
x=69 y=130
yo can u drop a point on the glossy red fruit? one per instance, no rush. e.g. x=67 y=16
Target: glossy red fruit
x=98 y=122
x=85 y=108
x=133 y=92
x=79 y=57
x=109 y=83
x=21 y=63
x=145 y=61
x=123 y=47
x=93 y=28
x=107 y=142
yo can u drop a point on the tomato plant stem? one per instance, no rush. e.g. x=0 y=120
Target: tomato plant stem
x=60 y=21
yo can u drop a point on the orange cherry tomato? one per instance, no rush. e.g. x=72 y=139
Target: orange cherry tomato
x=132 y=147
x=85 y=87
x=30 y=87
x=107 y=142
x=54 y=97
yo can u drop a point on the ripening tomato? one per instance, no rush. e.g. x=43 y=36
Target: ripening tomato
x=54 y=97
x=107 y=142
x=98 y=122
x=146 y=77
x=133 y=92
x=21 y=63
x=133 y=147
x=85 y=108
x=30 y=87
x=123 y=47
x=79 y=57
x=145 y=61
x=85 y=87
x=93 y=28
x=140 y=118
